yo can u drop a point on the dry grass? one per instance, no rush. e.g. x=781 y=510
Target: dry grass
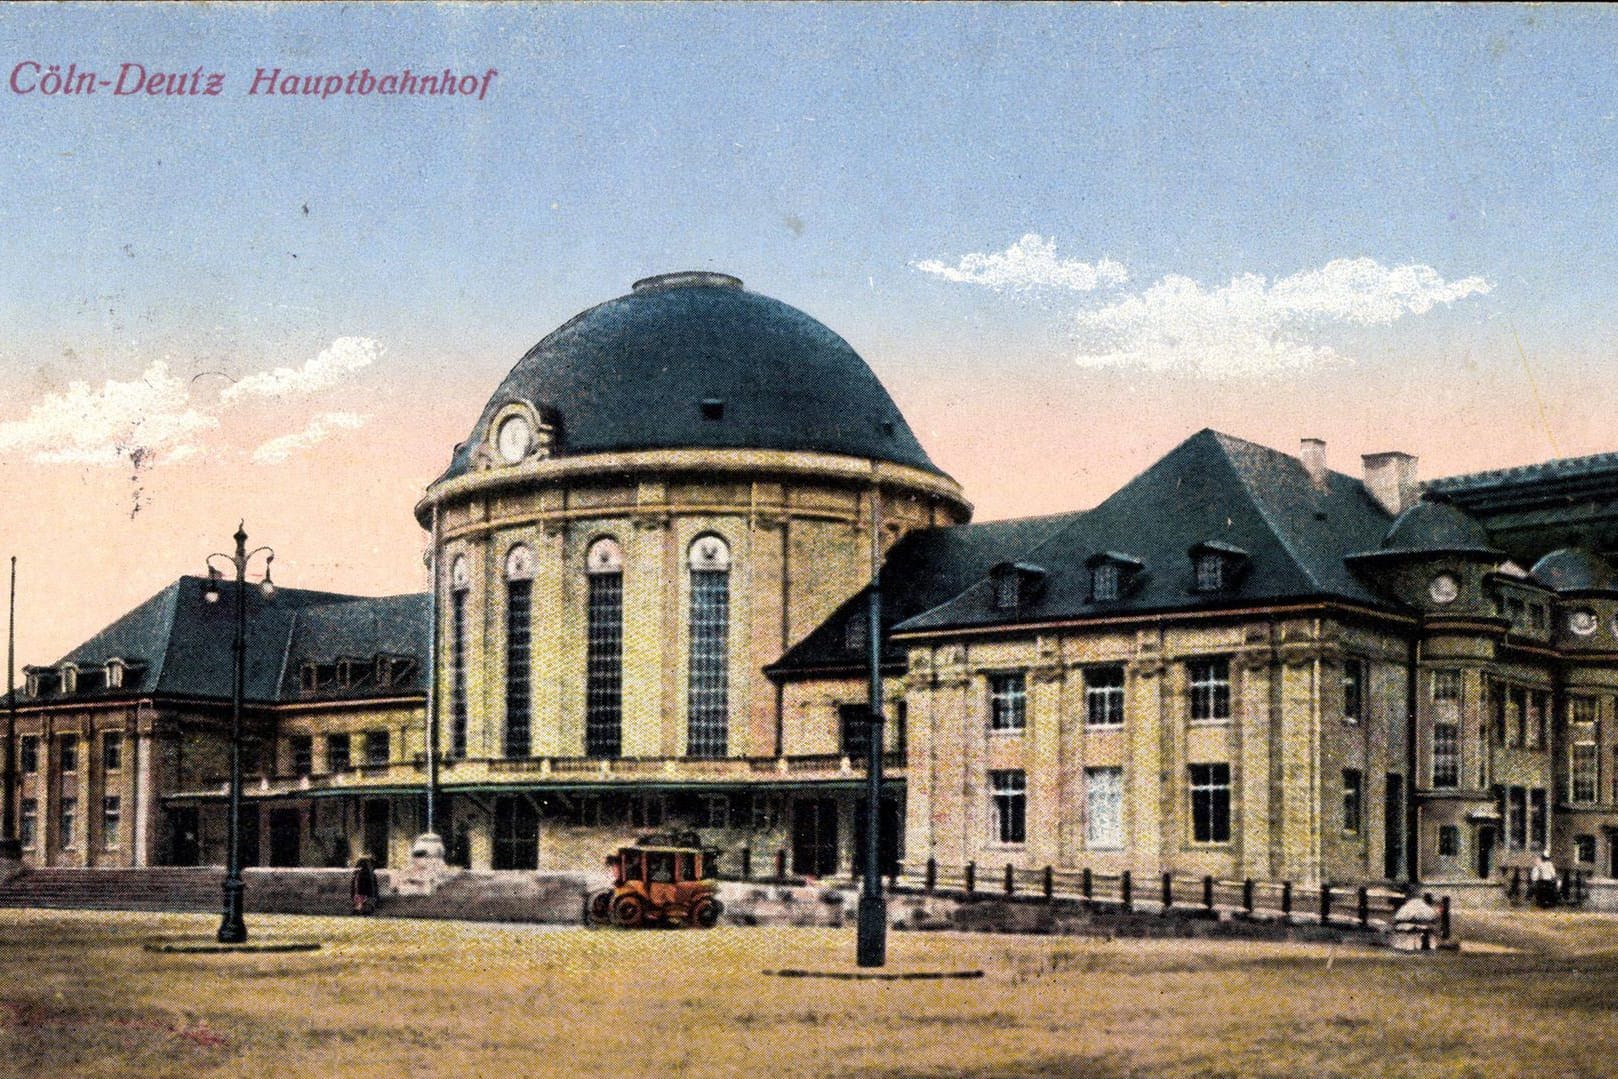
x=79 y=997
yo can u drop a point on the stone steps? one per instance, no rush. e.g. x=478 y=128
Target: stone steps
x=116 y=889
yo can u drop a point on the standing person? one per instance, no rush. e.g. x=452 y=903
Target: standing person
x=1543 y=879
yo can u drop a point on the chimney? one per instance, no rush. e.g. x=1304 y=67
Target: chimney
x=1390 y=478
x=1312 y=452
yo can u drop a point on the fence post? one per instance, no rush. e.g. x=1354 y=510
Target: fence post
x=1087 y=885
x=1125 y=888
x=1365 y=905
x=1443 y=918
x=1286 y=898
x=932 y=875
x=1247 y=895
x=781 y=864
x=747 y=863
x=971 y=877
x=1207 y=892
x=1168 y=891
x=1325 y=902
x=1011 y=880
x=1050 y=883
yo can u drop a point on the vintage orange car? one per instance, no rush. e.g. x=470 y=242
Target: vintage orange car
x=664 y=879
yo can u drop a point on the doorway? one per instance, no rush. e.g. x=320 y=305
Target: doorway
x=814 y=837
x=890 y=838
x=286 y=824
x=375 y=814
x=247 y=834
x=1486 y=834
x=185 y=844
x=1393 y=832
x=516 y=834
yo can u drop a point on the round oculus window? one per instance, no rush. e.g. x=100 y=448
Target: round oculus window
x=513 y=439
x=1582 y=622
x=1444 y=588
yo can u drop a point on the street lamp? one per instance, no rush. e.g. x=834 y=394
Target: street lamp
x=232 y=930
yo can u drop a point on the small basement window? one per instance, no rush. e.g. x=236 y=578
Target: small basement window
x=713 y=409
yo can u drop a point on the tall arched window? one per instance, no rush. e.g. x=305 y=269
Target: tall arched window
x=708 y=694
x=604 y=654
x=519 y=651
x=460 y=583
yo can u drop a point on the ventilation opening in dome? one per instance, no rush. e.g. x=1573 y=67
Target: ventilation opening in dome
x=686 y=279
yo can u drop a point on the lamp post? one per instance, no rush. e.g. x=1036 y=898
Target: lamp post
x=232 y=930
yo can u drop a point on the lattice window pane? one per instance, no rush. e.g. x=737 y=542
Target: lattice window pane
x=518 y=651
x=708 y=703
x=457 y=676
x=604 y=674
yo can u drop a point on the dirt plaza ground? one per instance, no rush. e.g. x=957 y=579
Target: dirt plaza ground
x=1534 y=995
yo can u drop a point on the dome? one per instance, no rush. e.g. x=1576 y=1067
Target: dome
x=1572 y=569
x=694 y=360
x=1435 y=526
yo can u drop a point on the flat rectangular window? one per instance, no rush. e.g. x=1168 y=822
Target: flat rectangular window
x=1582 y=769
x=1516 y=818
x=1104 y=808
x=1582 y=710
x=1446 y=685
x=1104 y=696
x=1449 y=841
x=457 y=675
x=68 y=820
x=518 y=644
x=111 y=816
x=853 y=730
x=1538 y=705
x=376 y=748
x=1104 y=582
x=1210 y=689
x=1009 y=794
x=1538 y=819
x=1210 y=803
x=1516 y=713
x=302 y=750
x=1353 y=801
x=1446 y=755
x=1008 y=702
x=68 y=750
x=1353 y=691
x=28 y=822
x=112 y=751
x=28 y=754
x=1584 y=849
x=337 y=753
x=604 y=666
x=717 y=813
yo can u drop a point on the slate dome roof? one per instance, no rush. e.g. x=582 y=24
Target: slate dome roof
x=1435 y=526
x=694 y=360
x=1573 y=569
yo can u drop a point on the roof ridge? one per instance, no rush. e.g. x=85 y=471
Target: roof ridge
x=286 y=652
x=169 y=615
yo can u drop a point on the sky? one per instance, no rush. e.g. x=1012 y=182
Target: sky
x=1065 y=238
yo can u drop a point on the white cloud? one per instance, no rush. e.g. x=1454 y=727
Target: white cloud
x=1031 y=262
x=1254 y=325
x=318 y=430
x=344 y=356
x=144 y=421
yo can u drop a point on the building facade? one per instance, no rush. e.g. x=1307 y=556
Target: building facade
x=652 y=562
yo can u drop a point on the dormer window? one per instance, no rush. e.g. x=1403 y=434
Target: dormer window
x=115 y=673
x=308 y=677
x=1215 y=566
x=1016 y=583
x=1111 y=574
x=70 y=678
x=857 y=631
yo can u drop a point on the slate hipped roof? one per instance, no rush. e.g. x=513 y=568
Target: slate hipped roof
x=1288 y=538
x=180 y=643
x=635 y=372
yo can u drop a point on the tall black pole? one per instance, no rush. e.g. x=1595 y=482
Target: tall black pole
x=432 y=679
x=873 y=910
x=10 y=846
x=232 y=930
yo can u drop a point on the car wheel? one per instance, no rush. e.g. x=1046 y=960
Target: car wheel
x=707 y=913
x=600 y=908
x=628 y=911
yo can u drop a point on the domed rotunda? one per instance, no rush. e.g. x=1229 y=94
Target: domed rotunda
x=662 y=496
